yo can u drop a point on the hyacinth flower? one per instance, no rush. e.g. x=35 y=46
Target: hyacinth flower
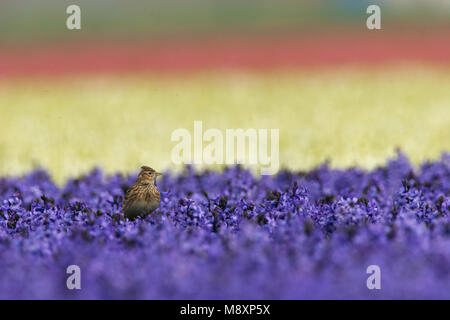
x=231 y=235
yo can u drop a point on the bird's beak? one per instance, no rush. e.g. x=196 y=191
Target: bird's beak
x=158 y=174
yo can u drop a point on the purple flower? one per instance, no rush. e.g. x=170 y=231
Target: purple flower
x=231 y=235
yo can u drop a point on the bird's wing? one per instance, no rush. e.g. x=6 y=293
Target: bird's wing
x=130 y=195
x=134 y=193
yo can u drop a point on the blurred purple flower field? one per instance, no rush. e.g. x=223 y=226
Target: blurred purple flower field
x=231 y=235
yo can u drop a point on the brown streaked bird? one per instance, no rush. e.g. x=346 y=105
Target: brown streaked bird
x=143 y=197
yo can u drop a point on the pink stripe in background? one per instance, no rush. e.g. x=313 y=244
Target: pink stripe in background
x=255 y=54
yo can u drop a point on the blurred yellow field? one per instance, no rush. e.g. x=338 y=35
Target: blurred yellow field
x=69 y=125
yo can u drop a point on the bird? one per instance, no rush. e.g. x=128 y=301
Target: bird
x=143 y=197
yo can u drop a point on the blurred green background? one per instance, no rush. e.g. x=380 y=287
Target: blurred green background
x=105 y=20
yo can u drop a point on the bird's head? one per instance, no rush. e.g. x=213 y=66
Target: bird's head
x=147 y=175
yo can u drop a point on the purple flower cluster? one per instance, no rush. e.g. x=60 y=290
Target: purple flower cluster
x=232 y=235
